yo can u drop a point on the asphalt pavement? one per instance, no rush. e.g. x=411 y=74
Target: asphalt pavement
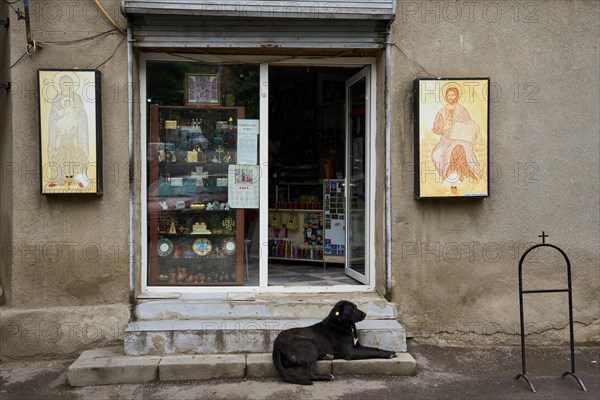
x=442 y=373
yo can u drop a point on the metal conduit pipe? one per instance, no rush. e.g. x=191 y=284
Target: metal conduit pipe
x=388 y=162
x=131 y=110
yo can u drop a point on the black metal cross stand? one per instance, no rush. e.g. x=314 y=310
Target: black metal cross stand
x=568 y=290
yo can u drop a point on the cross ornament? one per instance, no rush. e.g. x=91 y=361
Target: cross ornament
x=220 y=150
x=543 y=236
x=228 y=223
x=200 y=176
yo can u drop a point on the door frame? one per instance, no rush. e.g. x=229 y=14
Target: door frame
x=264 y=62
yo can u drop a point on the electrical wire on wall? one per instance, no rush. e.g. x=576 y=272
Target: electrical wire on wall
x=33 y=45
x=112 y=21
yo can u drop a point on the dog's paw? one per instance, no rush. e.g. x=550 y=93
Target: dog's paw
x=393 y=355
x=328 y=357
x=331 y=377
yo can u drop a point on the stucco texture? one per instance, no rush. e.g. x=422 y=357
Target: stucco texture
x=455 y=261
x=68 y=250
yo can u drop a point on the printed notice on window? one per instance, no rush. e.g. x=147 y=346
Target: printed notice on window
x=247 y=149
x=243 y=188
x=247 y=141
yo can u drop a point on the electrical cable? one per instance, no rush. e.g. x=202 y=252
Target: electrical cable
x=80 y=42
x=20 y=58
x=113 y=53
x=112 y=21
x=18 y=12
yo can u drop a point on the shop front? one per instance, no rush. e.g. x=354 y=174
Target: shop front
x=257 y=149
x=258 y=132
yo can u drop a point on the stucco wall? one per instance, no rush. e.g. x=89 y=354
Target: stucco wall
x=455 y=260
x=5 y=157
x=68 y=254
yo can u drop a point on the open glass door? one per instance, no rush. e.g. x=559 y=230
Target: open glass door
x=357 y=136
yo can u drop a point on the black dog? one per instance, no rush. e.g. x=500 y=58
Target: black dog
x=334 y=337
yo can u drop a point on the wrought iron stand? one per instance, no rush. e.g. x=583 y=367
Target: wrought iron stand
x=568 y=290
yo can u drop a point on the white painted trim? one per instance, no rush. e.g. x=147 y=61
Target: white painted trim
x=370 y=162
x=264 y=62
x=263 y=265
x=163 y=290
x=328 y=61
x=143 y=170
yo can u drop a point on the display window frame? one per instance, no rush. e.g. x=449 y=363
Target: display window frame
x=148 y=291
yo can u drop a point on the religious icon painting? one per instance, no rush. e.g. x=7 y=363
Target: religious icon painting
x=451 y=137
x=70 y=131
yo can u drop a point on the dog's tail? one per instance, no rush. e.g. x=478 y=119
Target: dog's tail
x=285 y=374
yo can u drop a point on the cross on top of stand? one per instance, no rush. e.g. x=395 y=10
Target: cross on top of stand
x=543 y=236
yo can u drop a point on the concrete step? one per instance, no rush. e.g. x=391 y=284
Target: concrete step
x=220 y=336
x=259 y=306
x=109 y=366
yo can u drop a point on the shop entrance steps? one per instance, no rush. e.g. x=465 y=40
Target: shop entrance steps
x=226 y=324
x=109 y=366
x=210 y=336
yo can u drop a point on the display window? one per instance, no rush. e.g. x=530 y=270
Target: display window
x=257 y=175
x=202 y=174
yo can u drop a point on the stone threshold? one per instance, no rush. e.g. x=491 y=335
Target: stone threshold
x=109 y=366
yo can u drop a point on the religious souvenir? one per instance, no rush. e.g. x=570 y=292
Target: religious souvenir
x=172 y=228
x=169 y=157
x=200 y=176
x=199 y=228
x=222 y=182
x=228 y=223
x=229 y=246
x=172 y=276
x=170 y=124
x=220 y=150
x=177 y=252
x=192 y=156
x=213 y=206
x=165 y=247
x=202 y=246
x=189 y=254
x=177 y=182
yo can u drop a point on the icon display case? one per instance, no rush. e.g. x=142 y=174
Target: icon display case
x=194 y=237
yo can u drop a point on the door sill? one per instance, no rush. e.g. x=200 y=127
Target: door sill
x=177 y=292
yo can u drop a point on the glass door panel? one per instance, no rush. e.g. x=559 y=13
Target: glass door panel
x=357 y=135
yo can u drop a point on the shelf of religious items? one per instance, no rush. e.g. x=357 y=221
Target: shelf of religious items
x=194 y=237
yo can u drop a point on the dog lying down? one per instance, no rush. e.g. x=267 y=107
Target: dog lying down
x=334 y=337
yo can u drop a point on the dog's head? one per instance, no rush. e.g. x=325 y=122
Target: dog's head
x=346 y=311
